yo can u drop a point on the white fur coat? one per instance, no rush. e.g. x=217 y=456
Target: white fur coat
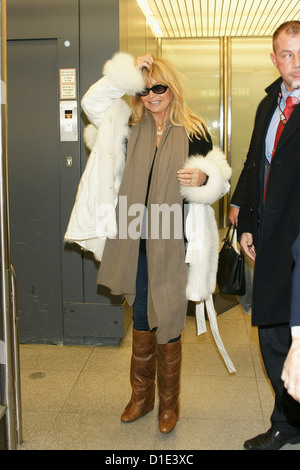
x=90 y=224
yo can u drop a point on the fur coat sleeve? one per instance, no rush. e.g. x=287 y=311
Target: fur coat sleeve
x=120 y=77
x=201 y=228
x=93 y=216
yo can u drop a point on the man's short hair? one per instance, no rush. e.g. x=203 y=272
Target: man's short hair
x=289 y=27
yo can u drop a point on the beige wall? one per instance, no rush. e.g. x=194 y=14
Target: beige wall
x=136 y=36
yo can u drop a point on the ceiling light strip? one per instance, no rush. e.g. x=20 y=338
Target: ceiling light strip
x=189 y=16
x=221 y=16
x=228 y=16
x=207 y=17
x=297 y=15
x=175 y=23
x=178 y=17
x=255 y=7
x=215 y=16
x=247 y=15
x=290 y=15
x=194 y=16
x=203 y=4
x=161 y=21
x=234 y=18
x=212 y=18
x=241 y=16
x=165 y=15
x=182 y=19
x=230 y=8
x=201 y=17
x=267 y=31
x=257 y=16
x=151 y=20
x=266 y=11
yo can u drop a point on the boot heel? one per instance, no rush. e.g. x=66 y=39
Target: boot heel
x=135 y=410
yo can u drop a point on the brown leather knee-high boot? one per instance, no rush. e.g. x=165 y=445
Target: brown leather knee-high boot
x=168 y=381
x=142 y=375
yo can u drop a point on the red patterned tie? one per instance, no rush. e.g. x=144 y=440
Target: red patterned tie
x=291 y=102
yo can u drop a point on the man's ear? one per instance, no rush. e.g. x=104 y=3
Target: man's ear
x=273 y=59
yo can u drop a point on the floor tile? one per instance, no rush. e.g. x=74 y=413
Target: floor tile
x=208 y=434
x=73 y=396
x=97 y=431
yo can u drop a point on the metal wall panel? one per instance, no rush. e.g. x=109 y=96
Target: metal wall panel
x=35 y=19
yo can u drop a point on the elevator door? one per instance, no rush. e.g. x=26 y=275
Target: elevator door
x=34 y=186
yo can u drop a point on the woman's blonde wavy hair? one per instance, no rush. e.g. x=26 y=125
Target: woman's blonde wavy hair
x=163 y=72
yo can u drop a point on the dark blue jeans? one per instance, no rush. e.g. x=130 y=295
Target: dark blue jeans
x=140 y=317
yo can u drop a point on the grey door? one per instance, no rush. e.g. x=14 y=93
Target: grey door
x=34 y=186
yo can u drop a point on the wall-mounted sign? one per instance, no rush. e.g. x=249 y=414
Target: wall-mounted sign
x=67 y=79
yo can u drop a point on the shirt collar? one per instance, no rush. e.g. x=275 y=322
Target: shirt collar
x=286 y=94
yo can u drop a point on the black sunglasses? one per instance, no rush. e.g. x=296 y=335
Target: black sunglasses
x=157 y=89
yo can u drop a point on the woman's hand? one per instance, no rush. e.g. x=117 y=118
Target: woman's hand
x=191 y=177
x=144 y=61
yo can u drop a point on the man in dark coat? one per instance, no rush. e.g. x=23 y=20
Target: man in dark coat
x=269 y=209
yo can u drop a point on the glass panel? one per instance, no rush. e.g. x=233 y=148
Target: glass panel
x=199 y=63
x=252 y=72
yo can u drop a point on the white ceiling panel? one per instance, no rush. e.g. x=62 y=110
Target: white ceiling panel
x=215 y=18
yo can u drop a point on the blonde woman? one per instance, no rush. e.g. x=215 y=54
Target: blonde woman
x=155 y=154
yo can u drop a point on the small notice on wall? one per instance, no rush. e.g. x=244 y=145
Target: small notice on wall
x=67 y=78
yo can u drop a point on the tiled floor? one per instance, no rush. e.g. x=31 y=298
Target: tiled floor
x=72 y=397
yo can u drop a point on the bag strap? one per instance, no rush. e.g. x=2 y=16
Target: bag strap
x=233 y=240
x=228 y=232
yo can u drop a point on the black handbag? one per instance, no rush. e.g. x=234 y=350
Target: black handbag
x=231 y=275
